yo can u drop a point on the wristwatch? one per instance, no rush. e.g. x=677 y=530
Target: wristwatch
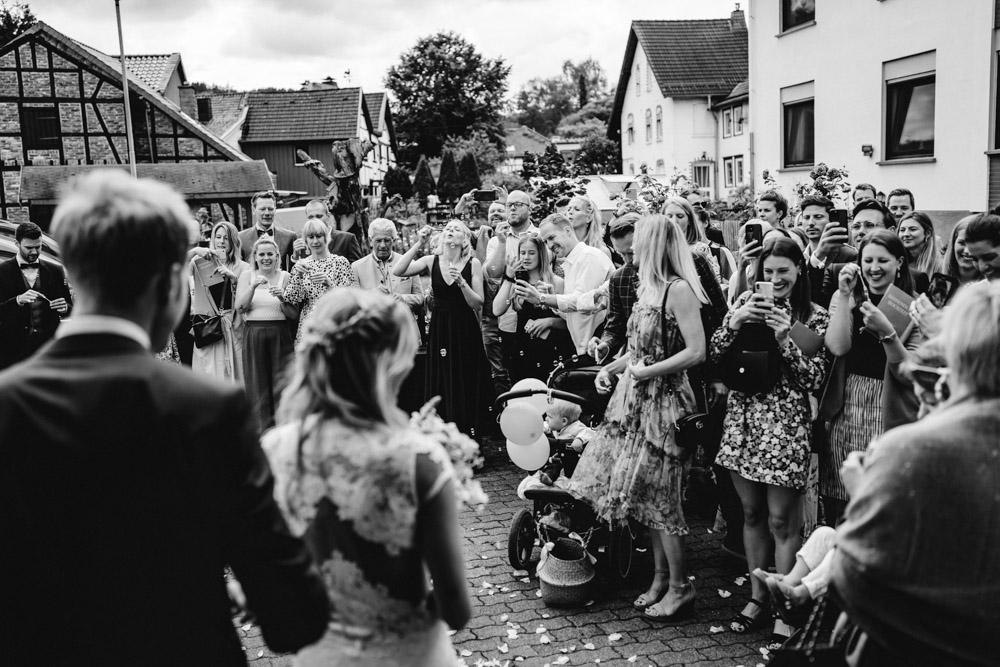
x=888 y=339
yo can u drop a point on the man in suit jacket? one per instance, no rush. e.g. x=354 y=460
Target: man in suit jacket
x=264 y=204
x=344 y=244
x=128 y=484
x=374 y=271
x=33 y=296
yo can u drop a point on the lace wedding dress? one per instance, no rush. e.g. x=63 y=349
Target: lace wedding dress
x=353 y=496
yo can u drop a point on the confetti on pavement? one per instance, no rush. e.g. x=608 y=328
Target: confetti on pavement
x=614 y=636
x=724 y=594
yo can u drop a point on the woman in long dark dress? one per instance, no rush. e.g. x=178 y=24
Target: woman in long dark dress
x=542 y=338
x=457 y=368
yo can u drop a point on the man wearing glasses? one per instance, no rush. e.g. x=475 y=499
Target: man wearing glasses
x=263 y=205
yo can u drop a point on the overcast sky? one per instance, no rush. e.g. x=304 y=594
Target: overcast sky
x=256 y=43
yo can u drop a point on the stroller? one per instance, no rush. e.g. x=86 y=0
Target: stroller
x=554 y=512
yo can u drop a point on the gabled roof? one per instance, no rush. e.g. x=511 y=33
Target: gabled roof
x=155 y=70
x=304 y=115
x=700 y=58
x=193 y=180
x=111 y=69
x=227 y=110
x=740 y=93
x=522 y=138
x=381 y=115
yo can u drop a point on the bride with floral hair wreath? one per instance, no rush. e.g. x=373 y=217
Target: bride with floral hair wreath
x=373 y=495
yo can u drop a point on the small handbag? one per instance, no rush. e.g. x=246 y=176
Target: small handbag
x=752 y=364
x=207 y=329
x=691 y=429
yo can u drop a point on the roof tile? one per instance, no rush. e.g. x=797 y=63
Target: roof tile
x=154 y=70
x=306 y=115
x=689 y=58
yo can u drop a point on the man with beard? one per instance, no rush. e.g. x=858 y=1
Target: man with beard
x=827 y=245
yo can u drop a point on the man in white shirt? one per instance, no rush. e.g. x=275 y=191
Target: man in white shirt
x=585 y=269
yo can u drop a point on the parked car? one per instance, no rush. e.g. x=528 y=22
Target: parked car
x=8 y=249
x=50 y=247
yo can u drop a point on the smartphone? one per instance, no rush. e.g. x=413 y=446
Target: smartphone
x=765 y=289
x=753 y=233
x=632 y=193
x=839 y=217
x=485 y=195
x=941 y=289
x=860 y=291
x=521 y=274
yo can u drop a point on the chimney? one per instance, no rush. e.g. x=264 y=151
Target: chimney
x=736 y=21
x=186 y=100
x=330 y=83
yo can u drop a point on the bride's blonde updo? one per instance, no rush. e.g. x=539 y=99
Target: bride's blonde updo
x=356 y=349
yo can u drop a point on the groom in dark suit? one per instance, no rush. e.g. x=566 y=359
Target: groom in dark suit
x=128 y=484
x=263 y=205
x=33 y=296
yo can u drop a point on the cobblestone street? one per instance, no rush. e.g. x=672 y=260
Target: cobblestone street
x=607 y=632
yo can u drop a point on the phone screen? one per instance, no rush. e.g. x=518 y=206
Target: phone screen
x=941 y=289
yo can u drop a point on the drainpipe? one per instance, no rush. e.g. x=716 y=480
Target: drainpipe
x=715 y=167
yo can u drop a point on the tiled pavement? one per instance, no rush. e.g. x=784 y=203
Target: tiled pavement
x=607 y=632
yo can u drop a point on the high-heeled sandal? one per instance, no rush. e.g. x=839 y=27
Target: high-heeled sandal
x=641 y=603
x=684 y=611
x=742 y=624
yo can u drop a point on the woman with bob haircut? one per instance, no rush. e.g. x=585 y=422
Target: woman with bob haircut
x=866 y=394
x=767 y=435
x=222 y=359
x=373 y=497
x=916 y=563
x=457 y=368
x=317 y=274
x=633 y=467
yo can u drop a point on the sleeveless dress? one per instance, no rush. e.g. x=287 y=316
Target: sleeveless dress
x=354 y=501
x=625 y=472
x=457 y=368
x=536 y=357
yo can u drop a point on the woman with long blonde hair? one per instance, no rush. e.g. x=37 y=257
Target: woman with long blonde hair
x=633 y=468
x=587 y=225
x=374 y=498
x=457 y=368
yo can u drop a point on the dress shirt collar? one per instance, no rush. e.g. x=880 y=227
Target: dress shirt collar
x=576 y=253
x=80 y=325
x=21 y=261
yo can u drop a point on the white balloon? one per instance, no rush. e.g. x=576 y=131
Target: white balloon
x=540 y=401
x=529 y=458
x=521 y=423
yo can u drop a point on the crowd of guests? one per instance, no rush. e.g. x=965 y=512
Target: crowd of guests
x=783 y=344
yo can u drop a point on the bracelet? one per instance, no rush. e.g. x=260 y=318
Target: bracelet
x=888 y=339
x=508 y=279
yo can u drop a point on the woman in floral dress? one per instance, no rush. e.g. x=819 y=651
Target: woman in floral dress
x=317 y=274
x=633 y=468
x=766 y=438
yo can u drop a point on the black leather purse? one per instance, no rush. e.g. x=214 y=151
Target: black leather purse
x=207 y=329
x=691 y=429
x=752 y=365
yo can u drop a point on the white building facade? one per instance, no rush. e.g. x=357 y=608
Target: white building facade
x=902 y=94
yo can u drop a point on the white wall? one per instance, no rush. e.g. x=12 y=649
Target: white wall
x=733 y=146
x=843 y=53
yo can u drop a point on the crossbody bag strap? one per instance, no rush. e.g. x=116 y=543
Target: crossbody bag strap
x=663 y=316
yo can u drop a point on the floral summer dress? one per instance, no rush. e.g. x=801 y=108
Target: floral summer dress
x=766 y=437
x=354 y=501
x=625 y=471
x=301 y=290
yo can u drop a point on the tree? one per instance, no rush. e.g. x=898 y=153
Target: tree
x=587 y=77
x=423 y=180
x=443 y=87
x=397 y=182
x=542 y=104
x=448 y=185
x=552 y=164
x=468 y=173
x=15 y=18
x=598 y=155
x=484 y=149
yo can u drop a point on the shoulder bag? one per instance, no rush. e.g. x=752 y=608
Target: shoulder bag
x=691 y=429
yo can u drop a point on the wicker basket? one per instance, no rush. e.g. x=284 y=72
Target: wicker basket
x=566 y=575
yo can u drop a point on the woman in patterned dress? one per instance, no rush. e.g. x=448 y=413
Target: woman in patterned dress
x=373 y=497
x=633 y=468
x=766 y=439
x=317 y=274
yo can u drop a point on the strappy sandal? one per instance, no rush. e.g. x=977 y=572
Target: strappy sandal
x=642 y=603
x=741 y=624
x=684 y=611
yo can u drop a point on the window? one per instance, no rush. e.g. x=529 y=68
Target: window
x=40 y=128
x=630 y=131
x=649 y=126
x=703 y=175
x=649 y=79
x=738 y=166
x=797 y=12
x=800 y=134
x=661 y=168
x=737 y=120
x=638 y=79
x=659 y=123
x=727 y=123
x=909 y=118
x=727 y=172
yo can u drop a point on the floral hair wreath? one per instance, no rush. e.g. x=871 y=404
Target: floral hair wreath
x=367 y=324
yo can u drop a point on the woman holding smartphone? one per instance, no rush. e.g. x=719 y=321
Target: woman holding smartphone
x=767 y=431
x=542 y=338
x=317 y=274
x=866 y=396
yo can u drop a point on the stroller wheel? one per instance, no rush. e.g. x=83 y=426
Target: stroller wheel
x=620 y=549
x=521 y=540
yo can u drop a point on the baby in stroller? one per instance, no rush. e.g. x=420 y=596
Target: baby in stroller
x=568 y=437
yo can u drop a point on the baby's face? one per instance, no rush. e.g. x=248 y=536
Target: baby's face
x=556 y=423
